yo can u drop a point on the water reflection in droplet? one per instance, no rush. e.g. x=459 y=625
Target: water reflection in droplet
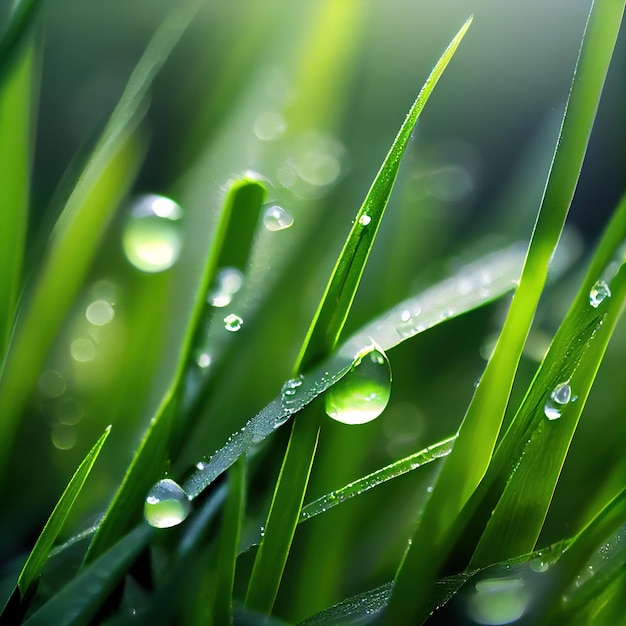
x=166 y=504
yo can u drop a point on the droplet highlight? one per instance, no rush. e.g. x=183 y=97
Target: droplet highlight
x=233 y=323
x=363 y=393
x=599 y=292
x=152 y=237
x=364 y=220
x=559 y=397
x=166 y=504
x=227 y=283
x=289 y=391
x=276 y=218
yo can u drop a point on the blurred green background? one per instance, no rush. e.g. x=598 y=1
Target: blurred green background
x=310 y=94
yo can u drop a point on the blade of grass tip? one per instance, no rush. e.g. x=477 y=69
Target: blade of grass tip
x=530 y=483
x=466 y=465
x=151 y=456
x=321 y=339
x=103 y=183
x=16 y=104
x=229 y=543
x=53 y=526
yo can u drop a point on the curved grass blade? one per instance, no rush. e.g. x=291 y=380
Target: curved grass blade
x=79 y=601
x=466 y=465
x=393 y=470
x=16 y=103
x=152 y=454
x=321 y=339
x=101 y=186
x=20 y=24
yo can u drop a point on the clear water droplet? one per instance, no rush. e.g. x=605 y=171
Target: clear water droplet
x=539 y=565
x=598 y=293
x=289 y=391
x=152 y=237
x=166 y=504
x=203 y=359
x=363 y=393
x=499 y=601
x=100 y=313
x=276 y=218
x=364 y=220
x=228 y=281
x=233 y=323
x=559 y=397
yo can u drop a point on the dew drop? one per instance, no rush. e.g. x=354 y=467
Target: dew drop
x=289 y=391
x=539 y=565
x=203 y=359
x=276 y=218
x=100 y=313
x=233 y=323
x=363 y=393
x=499 y=601
x=364 y=220
x=166 y=504
x=152 y=237
x=559 y=397
x=598 y=293
x=227 y=283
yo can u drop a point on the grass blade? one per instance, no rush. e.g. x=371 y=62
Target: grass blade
x=467 y=463
x=22 y=17
x=321 y=339
x=16 y=94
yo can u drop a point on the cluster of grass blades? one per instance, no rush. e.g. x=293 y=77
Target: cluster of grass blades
x=194 y=539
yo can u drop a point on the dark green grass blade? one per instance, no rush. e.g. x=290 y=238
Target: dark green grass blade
x=150 y=459
x=467 y=463
x=101 y=186
x=79 y=601
x=321 y=339
x=16 y=103
x=20 y=24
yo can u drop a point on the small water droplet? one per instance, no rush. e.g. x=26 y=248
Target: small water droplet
x=559 y=397
x=228 y=281
x=289 y=391
x=100 y=312
x=405 y=316
x=166 y=504
x=203 y=359
x=233 y=323
x=538 y=565
x=152 y=237
x=364 y=220
x=598 y=293
x=363 y=393
x=276 y=218
x=262 y=531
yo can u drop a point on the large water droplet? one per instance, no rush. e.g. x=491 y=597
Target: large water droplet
x=227 y=283
x=166 y=504
x=363 y=393
x=152 y=237
x=559 y=397
x=598 y=293
x=499 y=601
x=276 y=218
x=233 y=323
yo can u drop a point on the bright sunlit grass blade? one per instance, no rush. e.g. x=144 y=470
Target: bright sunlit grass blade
x=321 y=339
x=101 y=186
x=79 y=601
x=467 y=463
x=16 y=95
x=389 y=472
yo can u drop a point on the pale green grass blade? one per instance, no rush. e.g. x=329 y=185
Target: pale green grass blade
x=467 y=463
x=321 y=339
x=103 y=183
x=229 y=543
x=79 y=601
x=389 y=472
x=150 y=459
x=16 y=104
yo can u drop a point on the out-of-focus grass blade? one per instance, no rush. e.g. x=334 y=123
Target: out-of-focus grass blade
x=79 y=601
x=16 y=94
x=321 y=339
x=101 y=186
x=393 y=470
x=467 y=463
x=476 y=284
x=20 y=23
x=150 y=459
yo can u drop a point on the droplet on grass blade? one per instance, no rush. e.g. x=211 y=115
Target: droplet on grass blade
x=363 y=393
x=166 y=504
x=228 y=281
x=233 y=323
x=152 y=237
x=559 y=397
x=499 y=601
x=599 y=292
x=276 y=218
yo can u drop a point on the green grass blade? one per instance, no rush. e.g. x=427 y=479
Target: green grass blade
x=21 y=21
x=229 y=543
x=55 y=522
x=150 y=459
x=79 y=601
x=16 y=94
x=467 y=463
x=389 y=472
x=103 y=183
x=321 y=339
